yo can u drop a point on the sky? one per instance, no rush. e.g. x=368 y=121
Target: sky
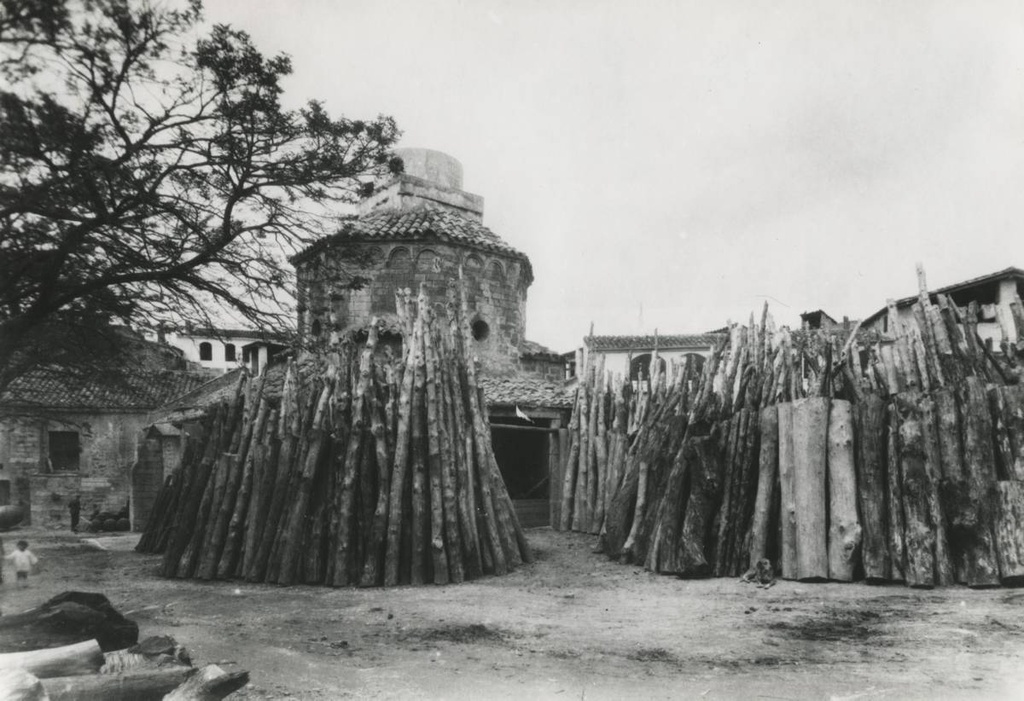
x=673 y=165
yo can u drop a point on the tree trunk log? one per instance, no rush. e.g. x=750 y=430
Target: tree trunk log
x=79 y=658
x=768 y=474
x=787 y=493
x=872 y=493
x=845 y=533
x=705 y=491
x=1010 y=532
x=920 y=532
x=810 y=452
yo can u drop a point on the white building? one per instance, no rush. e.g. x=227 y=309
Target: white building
x=223 y=350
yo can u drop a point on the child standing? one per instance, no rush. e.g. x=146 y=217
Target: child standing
x=23 y=560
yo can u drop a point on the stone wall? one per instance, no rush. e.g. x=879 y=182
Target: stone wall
x=107 y=444
x=496 y=288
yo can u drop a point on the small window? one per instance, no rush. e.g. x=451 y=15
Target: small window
x=315 y=328
x=229 y=352
x=65 y=450
x=205 y=351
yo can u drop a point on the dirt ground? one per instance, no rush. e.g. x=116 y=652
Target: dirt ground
x=572 y=625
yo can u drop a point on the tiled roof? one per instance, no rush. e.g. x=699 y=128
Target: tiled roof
x=426 y=222
x=525 y=391
x=533 y=348
x=626 y=343
x=98 y=389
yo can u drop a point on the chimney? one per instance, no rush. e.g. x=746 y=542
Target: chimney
x=430 y=178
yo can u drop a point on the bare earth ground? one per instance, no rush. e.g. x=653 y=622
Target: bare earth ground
x=573 y=625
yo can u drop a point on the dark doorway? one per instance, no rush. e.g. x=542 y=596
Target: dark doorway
x=521 y=449
x=5 y=492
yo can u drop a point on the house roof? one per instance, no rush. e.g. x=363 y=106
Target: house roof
x=531 y=348
x=628 y=343
x=525 y=390
x=103 y=389
x=955 y=287
x=428 y=222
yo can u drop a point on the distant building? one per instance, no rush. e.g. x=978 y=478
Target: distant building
x=220 y=350
x=67 y=431
x=631 y=356
x=993 y=293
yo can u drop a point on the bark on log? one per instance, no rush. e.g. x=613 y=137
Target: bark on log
x=134 y=685
x=1010 y=532
x=894 y=491
x=845 y=533
x=705 y=490
x=973 y=532
x=211 y=683
x=919 y=531
x=872 y=492
x=810 y=451
x=929 y=427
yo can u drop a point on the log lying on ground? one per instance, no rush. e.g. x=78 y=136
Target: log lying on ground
x=136 y=685
x=67 y=618
x=80 y=658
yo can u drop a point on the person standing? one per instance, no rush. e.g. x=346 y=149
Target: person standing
x=23 y=560
x=75 y=507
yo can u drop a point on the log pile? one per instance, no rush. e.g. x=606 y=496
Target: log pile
x=76 y=646
x=375 y=470
x=839 y=456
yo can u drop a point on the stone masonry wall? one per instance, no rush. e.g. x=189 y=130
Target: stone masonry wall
x=496 y=291
x=107 y=451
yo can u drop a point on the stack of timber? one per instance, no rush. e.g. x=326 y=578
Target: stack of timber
x=77 y=647
x=837 y=455
x=374 y=471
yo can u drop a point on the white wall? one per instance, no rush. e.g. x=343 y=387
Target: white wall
x=190 y=347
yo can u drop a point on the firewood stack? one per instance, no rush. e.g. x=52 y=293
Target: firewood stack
x=375 y=471
x=899 y=457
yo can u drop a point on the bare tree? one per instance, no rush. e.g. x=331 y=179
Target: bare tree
x=148 y=171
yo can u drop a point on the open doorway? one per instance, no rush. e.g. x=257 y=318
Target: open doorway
x=522 y=450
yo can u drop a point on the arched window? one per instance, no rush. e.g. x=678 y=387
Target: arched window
x=480 y=328
x=229 y=352
x=205 y=351
x=315 y=329
x=642 y=364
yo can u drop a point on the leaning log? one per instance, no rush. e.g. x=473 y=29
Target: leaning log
x=705 y=489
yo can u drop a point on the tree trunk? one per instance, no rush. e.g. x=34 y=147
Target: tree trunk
x=810 y=451
x=79 y=658
x=894 y=492
x=844 y=536
x=872 y=490
x=787 y=493
x=973 y=531
x=211 y=683
x=135 y=685
x=705 y=491
x=768 y=474
x=1010 y=532
x=920 y=532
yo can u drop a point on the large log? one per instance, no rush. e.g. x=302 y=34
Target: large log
x=70 y=617
x=766 y=503
x=944 y=570
x=872 y=494
x=1009 y=525
x=810 y=451
x=705 y=490
x=919 y=530
x=135 y=685
x=211 y=683
x=973 y=532
x=787 y=493
x=894 y=492
x=1013 y=402
x=844 y=536
x=79 y=658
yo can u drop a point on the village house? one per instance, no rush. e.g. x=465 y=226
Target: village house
x=67 y=431
x=630 y=356
x=993 y=294
x=219 y=350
